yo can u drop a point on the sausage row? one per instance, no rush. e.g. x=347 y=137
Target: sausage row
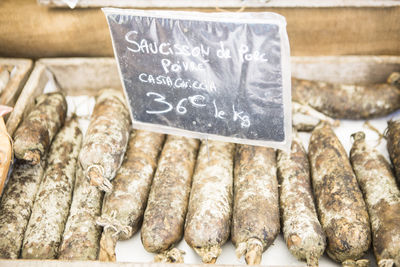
x=229 y=190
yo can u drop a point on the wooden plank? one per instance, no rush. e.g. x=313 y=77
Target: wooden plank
x=20 y=69
x=84 y=32
x=33 y=87
x=222 y=4
x=89 y=74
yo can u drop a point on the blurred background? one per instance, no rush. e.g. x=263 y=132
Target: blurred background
x=370 y=27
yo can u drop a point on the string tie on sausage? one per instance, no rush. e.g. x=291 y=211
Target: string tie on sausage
x=174 y=255
x=243 y=247
x=386 y=263
x=109 y=222
x=254 y=241
x=209 y=254
x=357 y=263
x=309 y=111
x=103 y=183
x=381 y=136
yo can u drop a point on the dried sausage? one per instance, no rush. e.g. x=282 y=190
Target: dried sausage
x=340 y=204
x=347 y=101
x=393 y=145
x=301 y=229
x=16 y=206
x=382 y=196
x=81 y=236
x=124 y=206
x=34 y=136
x=166 y=209
x=52 y=202
x=255 y=222
x=208 y=220
x=106 y=139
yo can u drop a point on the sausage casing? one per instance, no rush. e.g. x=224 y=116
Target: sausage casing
x=52 y=202
x=36 y=132
x=16 y=206
x=81 y=236
x=124 y=206
x=208 y=220
x=255 y=220
x=382 y=196
x=106 y=139
x=347 y=101
x=166 y=209
x=340 y=204
x=302 y=231
x=393 y=145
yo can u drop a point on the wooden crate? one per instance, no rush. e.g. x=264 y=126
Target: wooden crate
x=85 y=76
x=19 y=70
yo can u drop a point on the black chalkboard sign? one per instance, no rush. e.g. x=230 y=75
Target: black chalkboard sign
x=220 y=76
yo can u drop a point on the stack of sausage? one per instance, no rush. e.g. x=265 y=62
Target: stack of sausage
x=171 y=187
